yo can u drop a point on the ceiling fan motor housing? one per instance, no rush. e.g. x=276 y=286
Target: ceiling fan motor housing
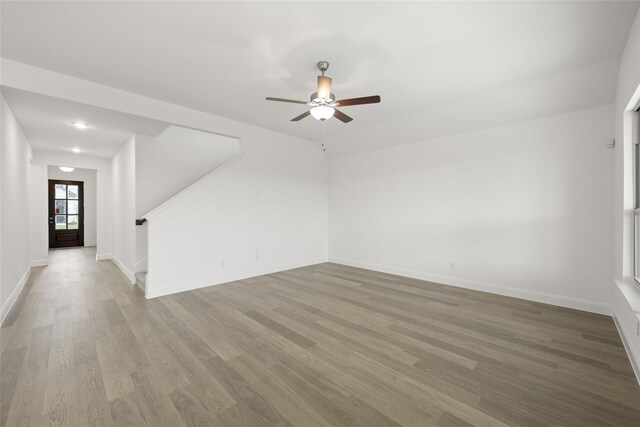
x=315 y=99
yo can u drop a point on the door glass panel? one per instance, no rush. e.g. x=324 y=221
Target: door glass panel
x=73 y=207
x=61 y=222
x=61 y=191
x=72 y=191
x=72 y=222
x=61 y=206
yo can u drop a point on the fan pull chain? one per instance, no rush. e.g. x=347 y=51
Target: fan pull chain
x=323 y=135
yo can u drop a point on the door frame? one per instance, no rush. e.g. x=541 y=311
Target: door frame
x=51 y=211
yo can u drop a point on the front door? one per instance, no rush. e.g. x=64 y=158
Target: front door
x=66 y=213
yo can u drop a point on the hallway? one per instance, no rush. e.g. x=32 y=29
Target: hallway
x=321 y=345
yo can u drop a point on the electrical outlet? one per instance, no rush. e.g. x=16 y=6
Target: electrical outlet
x=638 y=328
x=452 y=265
x=257 y=254
x=333 y=249
x=223 y=263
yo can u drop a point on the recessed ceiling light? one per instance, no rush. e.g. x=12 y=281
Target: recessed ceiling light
x=80 y=125
x=75 y=149
x=66 y=169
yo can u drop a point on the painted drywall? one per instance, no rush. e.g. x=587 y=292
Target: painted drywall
x=141 y=248
x=88 y=177
x=264 y=212
x=571 y=90
x=15 y=156
x=626 y=292
x=175 y=159
x=38 y=213
x=124 y=208
x=38 y=230
x=522 y=210
x=290 y=172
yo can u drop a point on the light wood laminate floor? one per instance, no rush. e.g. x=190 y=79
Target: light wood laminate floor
x=326 y=345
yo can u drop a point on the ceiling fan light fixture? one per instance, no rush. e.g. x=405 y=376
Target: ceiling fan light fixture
x=322 y=112
x=323 y=101
x=324 y=88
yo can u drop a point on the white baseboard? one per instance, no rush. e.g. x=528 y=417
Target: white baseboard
x=8 y=305
x=90 y=243
x=128 y=273
x=39 y=262
x=563 y=301
x=633 y=358
x=151 y=292
x=102 y=257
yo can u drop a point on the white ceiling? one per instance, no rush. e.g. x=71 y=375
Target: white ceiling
x=224 y=57
x=47 y=123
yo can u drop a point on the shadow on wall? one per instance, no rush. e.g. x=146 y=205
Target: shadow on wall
x=175 y=159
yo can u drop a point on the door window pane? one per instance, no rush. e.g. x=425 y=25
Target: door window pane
x=61 y=222
x=61 y=206
x=61 y=191
x=72 y=191
x=73 y=207
x=72 y=222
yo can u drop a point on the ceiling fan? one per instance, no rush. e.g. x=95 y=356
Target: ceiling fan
x=323 y=103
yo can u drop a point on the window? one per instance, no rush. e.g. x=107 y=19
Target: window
x=66 y=207
x=636 y=194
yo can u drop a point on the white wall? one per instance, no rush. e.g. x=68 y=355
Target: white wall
x=15 y=156
x=626 y=292
x=141 y=248
x=123 y=205
x=38 y=213
x=289 y=172
x=263 y=213
x=88 y=177
x=522 y=210
x=38 y=235
x=588 y=86
x=175 y=159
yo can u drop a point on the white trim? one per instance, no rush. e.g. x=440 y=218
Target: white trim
x=90 y=244
x=150 y=292
x=8 y=305
x=192 y=187
x=39 y=262
x=633 y=358
x=128 y=273
x=543 y=297
x=626 y=305
x=102 y=257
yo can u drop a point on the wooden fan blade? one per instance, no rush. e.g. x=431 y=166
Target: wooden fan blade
x=341 y=116
x=293 y=101
x=301 y=116
x=359 y=101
